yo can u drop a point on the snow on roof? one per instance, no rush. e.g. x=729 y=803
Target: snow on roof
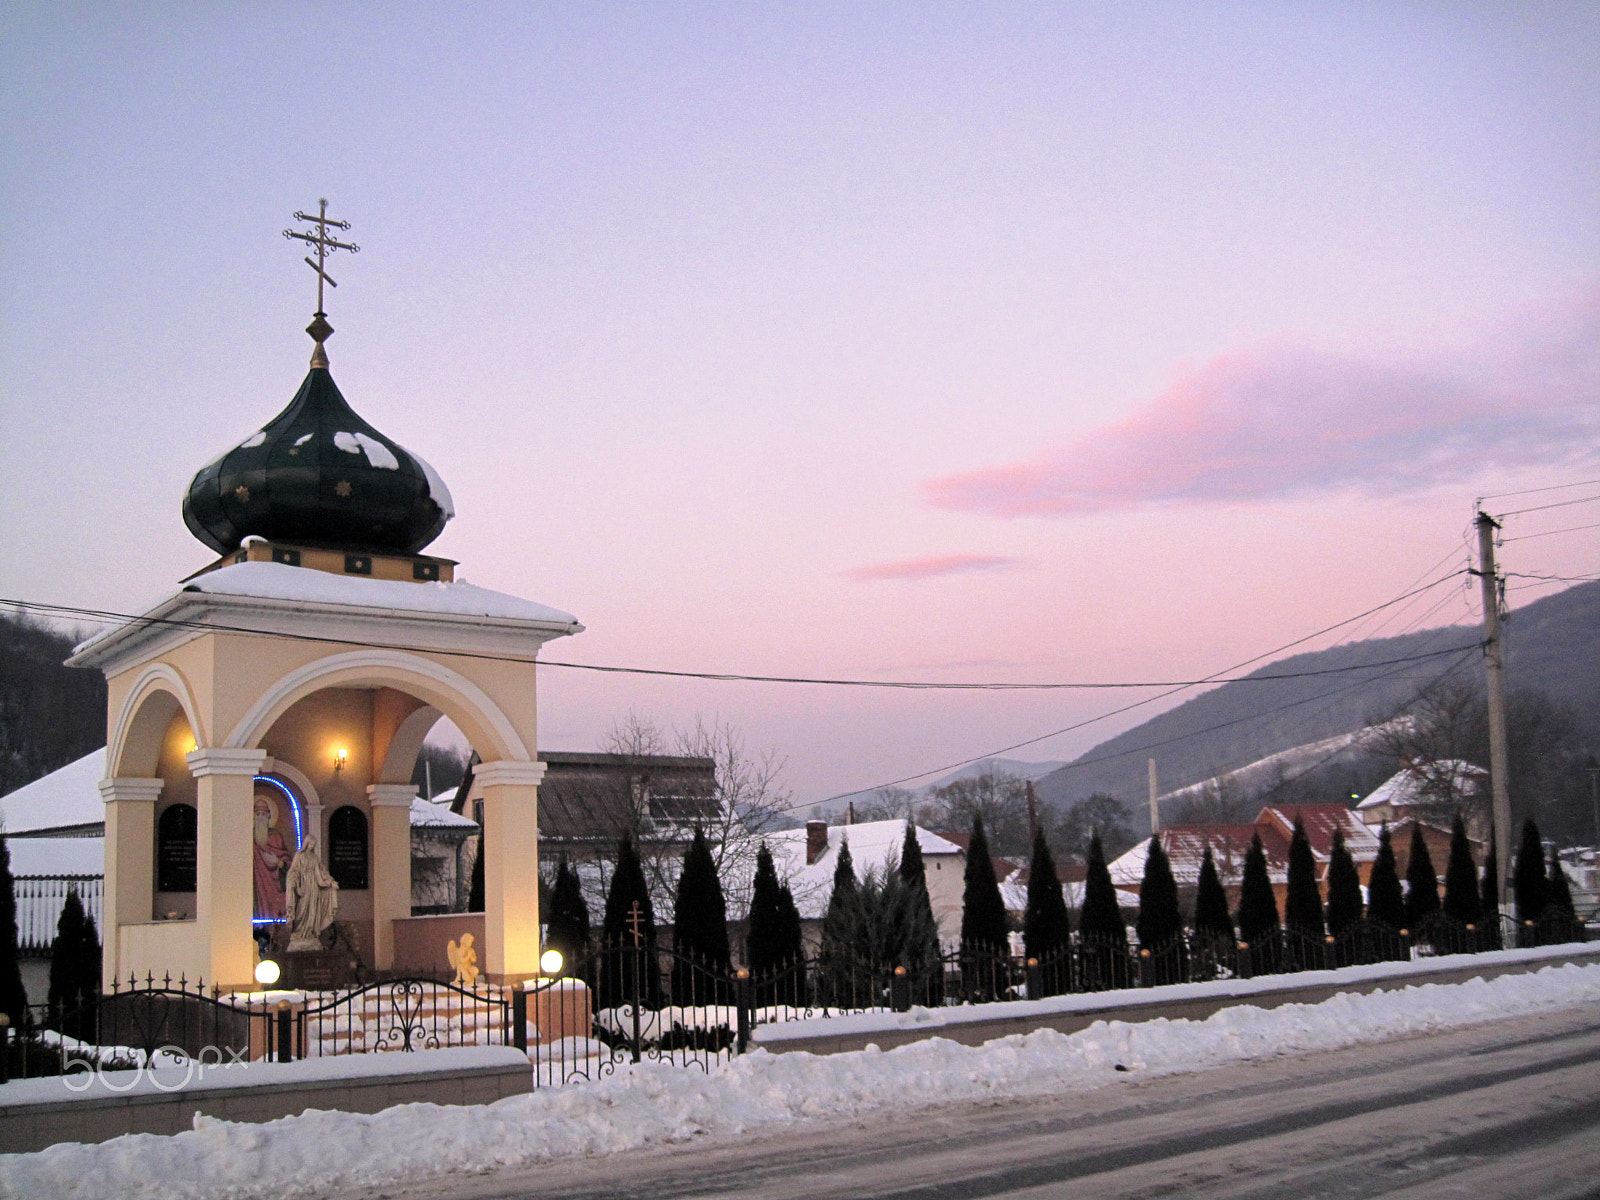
x=1320 y=821
x=276 y=581
x=1186 y=845
x=873 y=844
x=302 y=585
x=57 y=856
x=436 y=814
x=1409 y=785
x=64 y=799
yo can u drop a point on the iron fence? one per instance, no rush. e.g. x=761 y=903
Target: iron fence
x=622 y=1003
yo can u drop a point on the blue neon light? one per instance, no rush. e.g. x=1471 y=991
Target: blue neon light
x=294 y=807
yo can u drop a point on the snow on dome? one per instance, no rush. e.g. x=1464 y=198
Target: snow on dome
x=67 y=798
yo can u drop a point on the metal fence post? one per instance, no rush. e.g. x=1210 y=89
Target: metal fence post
x=900 y=991
x=1035 y=980
x=5 y=1048
x=1244 y=960
x=285 y=1033
x=1144 y=967
x=1330 y=953
x=519 y=1018
x=741 y=1001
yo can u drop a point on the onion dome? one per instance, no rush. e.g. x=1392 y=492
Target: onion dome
x=318 y=475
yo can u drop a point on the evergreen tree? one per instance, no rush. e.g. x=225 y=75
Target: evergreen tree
x=631 y=960
x=1489 y=895
x=1529 y=883
x=920 y=955
x=567 y=929
x=1422 y=885
x=1386 y=904
x=1344 y=887
x=791 y=943
x=74 y=969
x=1046 y=928
x=700 y=924
x=475 y=889
x=1258 y=910
x=1211 y=917
x=1560 y=892
x=845 y=969
x=1302 y=905
x=764 y=936
x=1461 y=900
x=13 y=999
x=1160 y=922
x=983 y=913
x=1103 y=950
x=1101 y=918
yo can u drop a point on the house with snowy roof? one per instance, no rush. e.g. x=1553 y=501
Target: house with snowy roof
x=1185 y=847
x=1432 y=792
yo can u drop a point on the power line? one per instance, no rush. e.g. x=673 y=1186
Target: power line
x=1517 y=512
x=718 y=676
x=1548 y=533
x=1555 y=487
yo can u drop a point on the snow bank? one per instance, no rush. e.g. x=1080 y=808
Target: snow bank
x=653 y=1104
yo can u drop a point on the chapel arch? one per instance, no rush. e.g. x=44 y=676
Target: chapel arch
x=141 y=729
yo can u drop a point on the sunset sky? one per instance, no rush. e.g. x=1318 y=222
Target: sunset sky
x=994 y=342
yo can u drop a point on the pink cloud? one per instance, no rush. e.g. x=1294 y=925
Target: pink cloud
x=931 y=568
x=1274 y=423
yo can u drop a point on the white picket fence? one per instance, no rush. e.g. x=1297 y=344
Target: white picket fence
x=40 y=899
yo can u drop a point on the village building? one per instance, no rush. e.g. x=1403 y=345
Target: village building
x=1433 y=792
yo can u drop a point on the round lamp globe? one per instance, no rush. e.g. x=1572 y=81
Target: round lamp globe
x=267 y=972
x=551 y=962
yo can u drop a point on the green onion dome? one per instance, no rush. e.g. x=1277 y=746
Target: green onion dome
x=318 y=475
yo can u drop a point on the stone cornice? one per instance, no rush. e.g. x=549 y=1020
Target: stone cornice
x=395 y=795
x=506 y=773
x=220 y=760
x=131 y=788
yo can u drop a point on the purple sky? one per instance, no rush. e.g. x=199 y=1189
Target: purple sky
x=1000 y=342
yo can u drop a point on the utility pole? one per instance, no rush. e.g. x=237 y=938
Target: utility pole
x=1593 y=768
x=1155 y=816
x=1494 y=668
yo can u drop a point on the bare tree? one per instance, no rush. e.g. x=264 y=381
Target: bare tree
x=1100 y=813
x=887 y=804
x=999 y=797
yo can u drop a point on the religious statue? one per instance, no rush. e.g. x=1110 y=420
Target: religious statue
x=313 y=898
x=271 y=857
x=465 y=960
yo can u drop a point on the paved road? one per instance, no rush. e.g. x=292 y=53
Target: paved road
x=1509 y=1110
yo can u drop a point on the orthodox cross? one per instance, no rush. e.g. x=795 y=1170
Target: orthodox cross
x=635 y=919
x=325 y=245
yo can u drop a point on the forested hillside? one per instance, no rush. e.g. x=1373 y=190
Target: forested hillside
x=1554 y=649
x=49 y=714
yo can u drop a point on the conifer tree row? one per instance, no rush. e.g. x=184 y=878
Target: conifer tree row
x=1530 y=885
x=700 y=929
x=1211 y=917
x=1489 y=897
x=1046 y=927
x=983 y=912
x=1103 y=953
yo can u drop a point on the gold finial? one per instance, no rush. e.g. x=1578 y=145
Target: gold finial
x=319 y=329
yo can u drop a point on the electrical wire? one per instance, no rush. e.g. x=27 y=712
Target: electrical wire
x=1555 y=487
x=1517 y=512
x=1547 y=533
x=717 y=676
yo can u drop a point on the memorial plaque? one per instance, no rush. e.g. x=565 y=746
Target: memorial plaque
x=176 y=845
x=347 y=848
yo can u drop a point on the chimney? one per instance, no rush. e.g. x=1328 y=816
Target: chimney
x=816 y=840
x=850 y=813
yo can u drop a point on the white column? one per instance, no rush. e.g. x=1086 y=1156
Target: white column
x=389 y=844
x=510 y=848
x=130 y=856
x=225 y=869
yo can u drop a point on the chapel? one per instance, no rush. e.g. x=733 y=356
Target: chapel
x=282 y=693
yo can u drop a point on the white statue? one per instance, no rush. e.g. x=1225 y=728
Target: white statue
x=311 y=898
x=465 y=960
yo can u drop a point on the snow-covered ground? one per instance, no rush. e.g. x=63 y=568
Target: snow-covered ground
x=653 y=1104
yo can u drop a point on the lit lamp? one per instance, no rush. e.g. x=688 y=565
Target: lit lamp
x=267 y=972
x=340 y=757
x=551 y=962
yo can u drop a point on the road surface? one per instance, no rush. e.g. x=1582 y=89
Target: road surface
x=1505 y=1110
